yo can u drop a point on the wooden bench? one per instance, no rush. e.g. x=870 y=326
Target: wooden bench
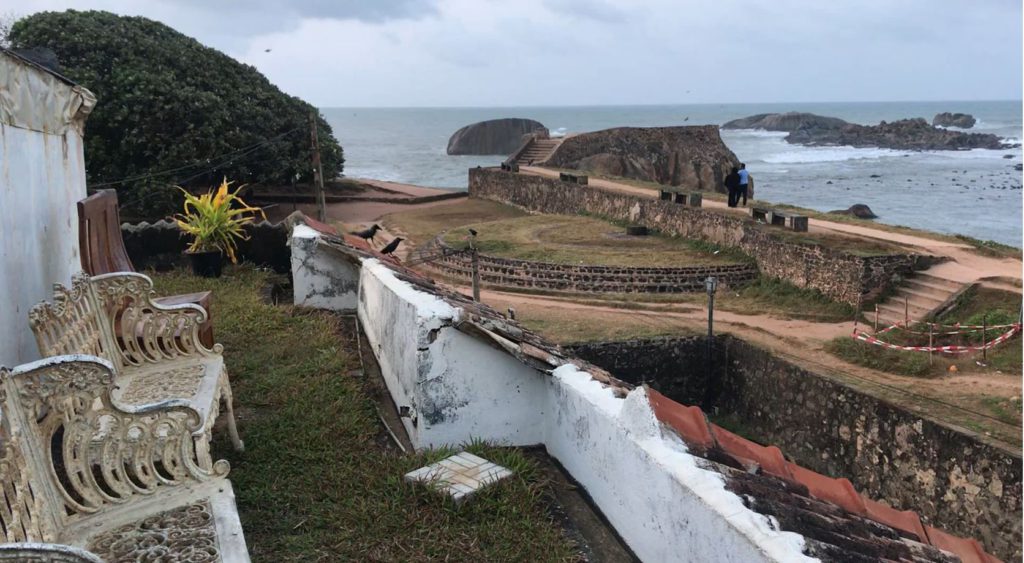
x=104 y=316
x=138 y=493
x=573 y=178
x=675 y=195
x=102 y=251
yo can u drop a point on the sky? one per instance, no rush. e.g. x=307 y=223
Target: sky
x=429 y=53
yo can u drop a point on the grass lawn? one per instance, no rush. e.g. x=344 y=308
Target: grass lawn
x=317 y=481
x=422 y=225
x=585 y=240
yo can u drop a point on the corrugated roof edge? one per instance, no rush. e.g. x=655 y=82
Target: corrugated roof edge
x=692 y=426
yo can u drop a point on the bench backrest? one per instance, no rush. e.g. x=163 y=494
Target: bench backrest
x=99 y=235
x=73 y=323
x=76 y=455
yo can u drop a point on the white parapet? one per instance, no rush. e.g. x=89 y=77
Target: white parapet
x=321 y=277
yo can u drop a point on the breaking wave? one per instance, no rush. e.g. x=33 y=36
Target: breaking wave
x=829 y=154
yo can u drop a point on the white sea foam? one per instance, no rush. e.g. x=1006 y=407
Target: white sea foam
x=558 y=132
x=828 y=154
x=758 y=133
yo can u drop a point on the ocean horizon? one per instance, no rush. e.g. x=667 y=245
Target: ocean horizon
x=975 y=193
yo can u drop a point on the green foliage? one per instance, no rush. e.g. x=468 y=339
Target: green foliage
x=214 y=222
x=165 y=101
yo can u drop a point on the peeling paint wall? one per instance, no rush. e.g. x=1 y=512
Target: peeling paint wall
x=42 y=177
x=663 y=501
x=321 y=277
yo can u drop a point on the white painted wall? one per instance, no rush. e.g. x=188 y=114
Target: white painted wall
x=660 y=499
x=321 y=277
x=42 y=177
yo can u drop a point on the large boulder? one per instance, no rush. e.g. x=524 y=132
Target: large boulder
x=693 y=157
x=858 y=210
x=961 y=120
x=495 y=136
x=905 y=134
x=789 y=121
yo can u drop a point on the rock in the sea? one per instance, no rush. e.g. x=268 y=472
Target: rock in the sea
x=905 y=134
x=690 y=156
x=789 y=121
x=858 y=210
x=495 y=136
x=1018 y=167
x=947 y=119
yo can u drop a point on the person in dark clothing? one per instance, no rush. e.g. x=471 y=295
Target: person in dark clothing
x=744 y=181
x=732 y=183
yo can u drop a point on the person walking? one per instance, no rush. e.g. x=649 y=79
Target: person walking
x=744 y=182
x=732 y=183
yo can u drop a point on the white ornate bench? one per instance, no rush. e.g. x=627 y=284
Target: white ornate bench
x=140 y=496
x=155 y=349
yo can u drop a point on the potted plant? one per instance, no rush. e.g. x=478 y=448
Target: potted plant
x=215 y=225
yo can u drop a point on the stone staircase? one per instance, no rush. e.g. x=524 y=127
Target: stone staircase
x=538 y=151
x=918 y=296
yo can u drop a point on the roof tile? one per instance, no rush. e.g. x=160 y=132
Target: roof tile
x=689 y=422
x=968 y=550
x=906 y=520
x=837 y=491
x=769 y=458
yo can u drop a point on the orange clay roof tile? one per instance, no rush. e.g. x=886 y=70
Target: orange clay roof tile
x=689 y=422
x=906 y=520
x=770 y=458
x=968 y=550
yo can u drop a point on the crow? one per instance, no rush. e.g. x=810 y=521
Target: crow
x=392 y=246
x=367 y=234
x=472 y=232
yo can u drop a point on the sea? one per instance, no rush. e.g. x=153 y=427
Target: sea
x=975 y=193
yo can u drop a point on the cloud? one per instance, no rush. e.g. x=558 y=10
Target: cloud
x=587 y=52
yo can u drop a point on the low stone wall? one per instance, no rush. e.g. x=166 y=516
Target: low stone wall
x=841 y=276
x=951 y=478
x=524 y=274
x=161 y=246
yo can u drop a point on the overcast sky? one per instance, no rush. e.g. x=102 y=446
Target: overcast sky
x=594 y=52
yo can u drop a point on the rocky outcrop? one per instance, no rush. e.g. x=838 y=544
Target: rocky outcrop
x=789 y=121
x=496 y=136
x=905 y=134
x=858 y=210
x=961 y=120
x=692 y=157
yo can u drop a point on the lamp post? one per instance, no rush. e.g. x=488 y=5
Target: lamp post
x=710 y=284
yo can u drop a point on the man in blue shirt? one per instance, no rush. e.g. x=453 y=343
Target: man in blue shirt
x=744 y=180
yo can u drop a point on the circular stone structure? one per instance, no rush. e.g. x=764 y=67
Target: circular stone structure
x=580 y=278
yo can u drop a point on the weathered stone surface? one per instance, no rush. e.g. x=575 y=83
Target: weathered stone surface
x=841 y=276
x=858 y=210
x=789 y=121
x=694 y=157
x=161 y=246
x=947 y=119
x=495 y=136
x=953 y=479
x=511 y=273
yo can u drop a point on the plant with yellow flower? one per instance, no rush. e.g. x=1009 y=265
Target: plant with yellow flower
x=215 y=221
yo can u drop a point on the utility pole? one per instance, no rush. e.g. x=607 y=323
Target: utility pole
x=474 y=258
x=318 y=171
x=711 y=284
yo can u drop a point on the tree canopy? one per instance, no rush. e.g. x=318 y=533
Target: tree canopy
x=172 y=111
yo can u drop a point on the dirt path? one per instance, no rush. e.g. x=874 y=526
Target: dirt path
x=966 y=264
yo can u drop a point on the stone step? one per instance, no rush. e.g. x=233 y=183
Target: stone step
x=921 y=297
x=937 y=281
x=923 y=287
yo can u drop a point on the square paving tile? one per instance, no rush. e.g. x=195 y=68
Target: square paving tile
x=460 y=475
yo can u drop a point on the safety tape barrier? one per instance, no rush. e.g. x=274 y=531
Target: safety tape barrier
x=966 y=329
x=871 y=339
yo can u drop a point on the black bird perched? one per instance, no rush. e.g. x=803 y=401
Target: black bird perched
x=392 y=246
x=367 y=234
x=472 y=232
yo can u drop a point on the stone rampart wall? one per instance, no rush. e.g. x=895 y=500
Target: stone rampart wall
x=954 y=479
x=507 y=272
x=841 y=276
